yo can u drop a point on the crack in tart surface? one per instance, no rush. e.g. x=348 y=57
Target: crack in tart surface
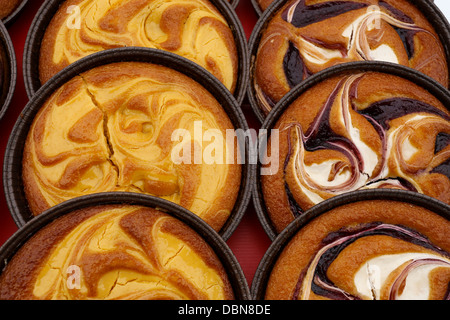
x=7 y=7
x=370 y=250
x=115 y=252
x=111 y=129
x=307 y=36
x=193 y=29
x=357 y=131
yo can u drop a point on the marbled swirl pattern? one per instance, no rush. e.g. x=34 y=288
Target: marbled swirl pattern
x=307 y=36
x=110 y=129
x=120 y=252
x=367 y=250
x=193 y=29
x=358 y=131
x=8 y=6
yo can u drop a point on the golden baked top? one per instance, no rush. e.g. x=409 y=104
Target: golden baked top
x=135 y=127
x=115 y=252
x=7 y=7
x=358 y=131
x=380 y=250
x=307 y=36
x=193 y=29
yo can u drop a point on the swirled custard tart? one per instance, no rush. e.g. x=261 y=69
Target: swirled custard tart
x=358 y=131
x=7 y=7
x=135 y=127
x=115 y=252
x=369 y=250
x=307 y=36
x=192 y=29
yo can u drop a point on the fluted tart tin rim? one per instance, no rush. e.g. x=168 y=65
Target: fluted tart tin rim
x=212 y=238
x=272 y=254
x=433 y=14
x=11 y=66
x=12 y=168
x=420 y=79
x=50 y=7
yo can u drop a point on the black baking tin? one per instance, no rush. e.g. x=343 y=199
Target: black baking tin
x=435 y=17
x=13 y=16
x=12 y=168
x=272 y=254
x=50 y=7
x=212 y=238
x=420 y=79
x=9 y=73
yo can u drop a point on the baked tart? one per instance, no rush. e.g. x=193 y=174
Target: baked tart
x=193 y=29
x=307 y=36
x=119 y=252
x=366 y=250
x=136 y=127
x=357 y=130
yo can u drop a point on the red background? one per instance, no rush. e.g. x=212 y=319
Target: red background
x=249 y=242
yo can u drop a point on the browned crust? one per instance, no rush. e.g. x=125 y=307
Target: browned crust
x=8 y=6
x=110 y=75
x=269 y=72
x=299 y=251
x=169 y=22
x=264 y=4
x=18 y=280
x=373 y=87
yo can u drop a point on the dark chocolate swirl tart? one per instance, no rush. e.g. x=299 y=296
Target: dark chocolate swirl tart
x=351 y=131
x=307 y=36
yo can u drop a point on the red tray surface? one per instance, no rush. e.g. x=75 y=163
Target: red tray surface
x=249 y=242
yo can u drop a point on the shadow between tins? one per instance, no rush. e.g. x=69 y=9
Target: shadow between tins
x=427 y=7
x=12 y=168
x=212 y=238
x=49 y=8
x=420 y=79
x=272 y=254
x=9 y=70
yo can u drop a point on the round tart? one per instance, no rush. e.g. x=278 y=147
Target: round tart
x=365 y=250
x=115 y=252
x=138 y=127
x=193 y=29
x=356 y=130
x=306 y=36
